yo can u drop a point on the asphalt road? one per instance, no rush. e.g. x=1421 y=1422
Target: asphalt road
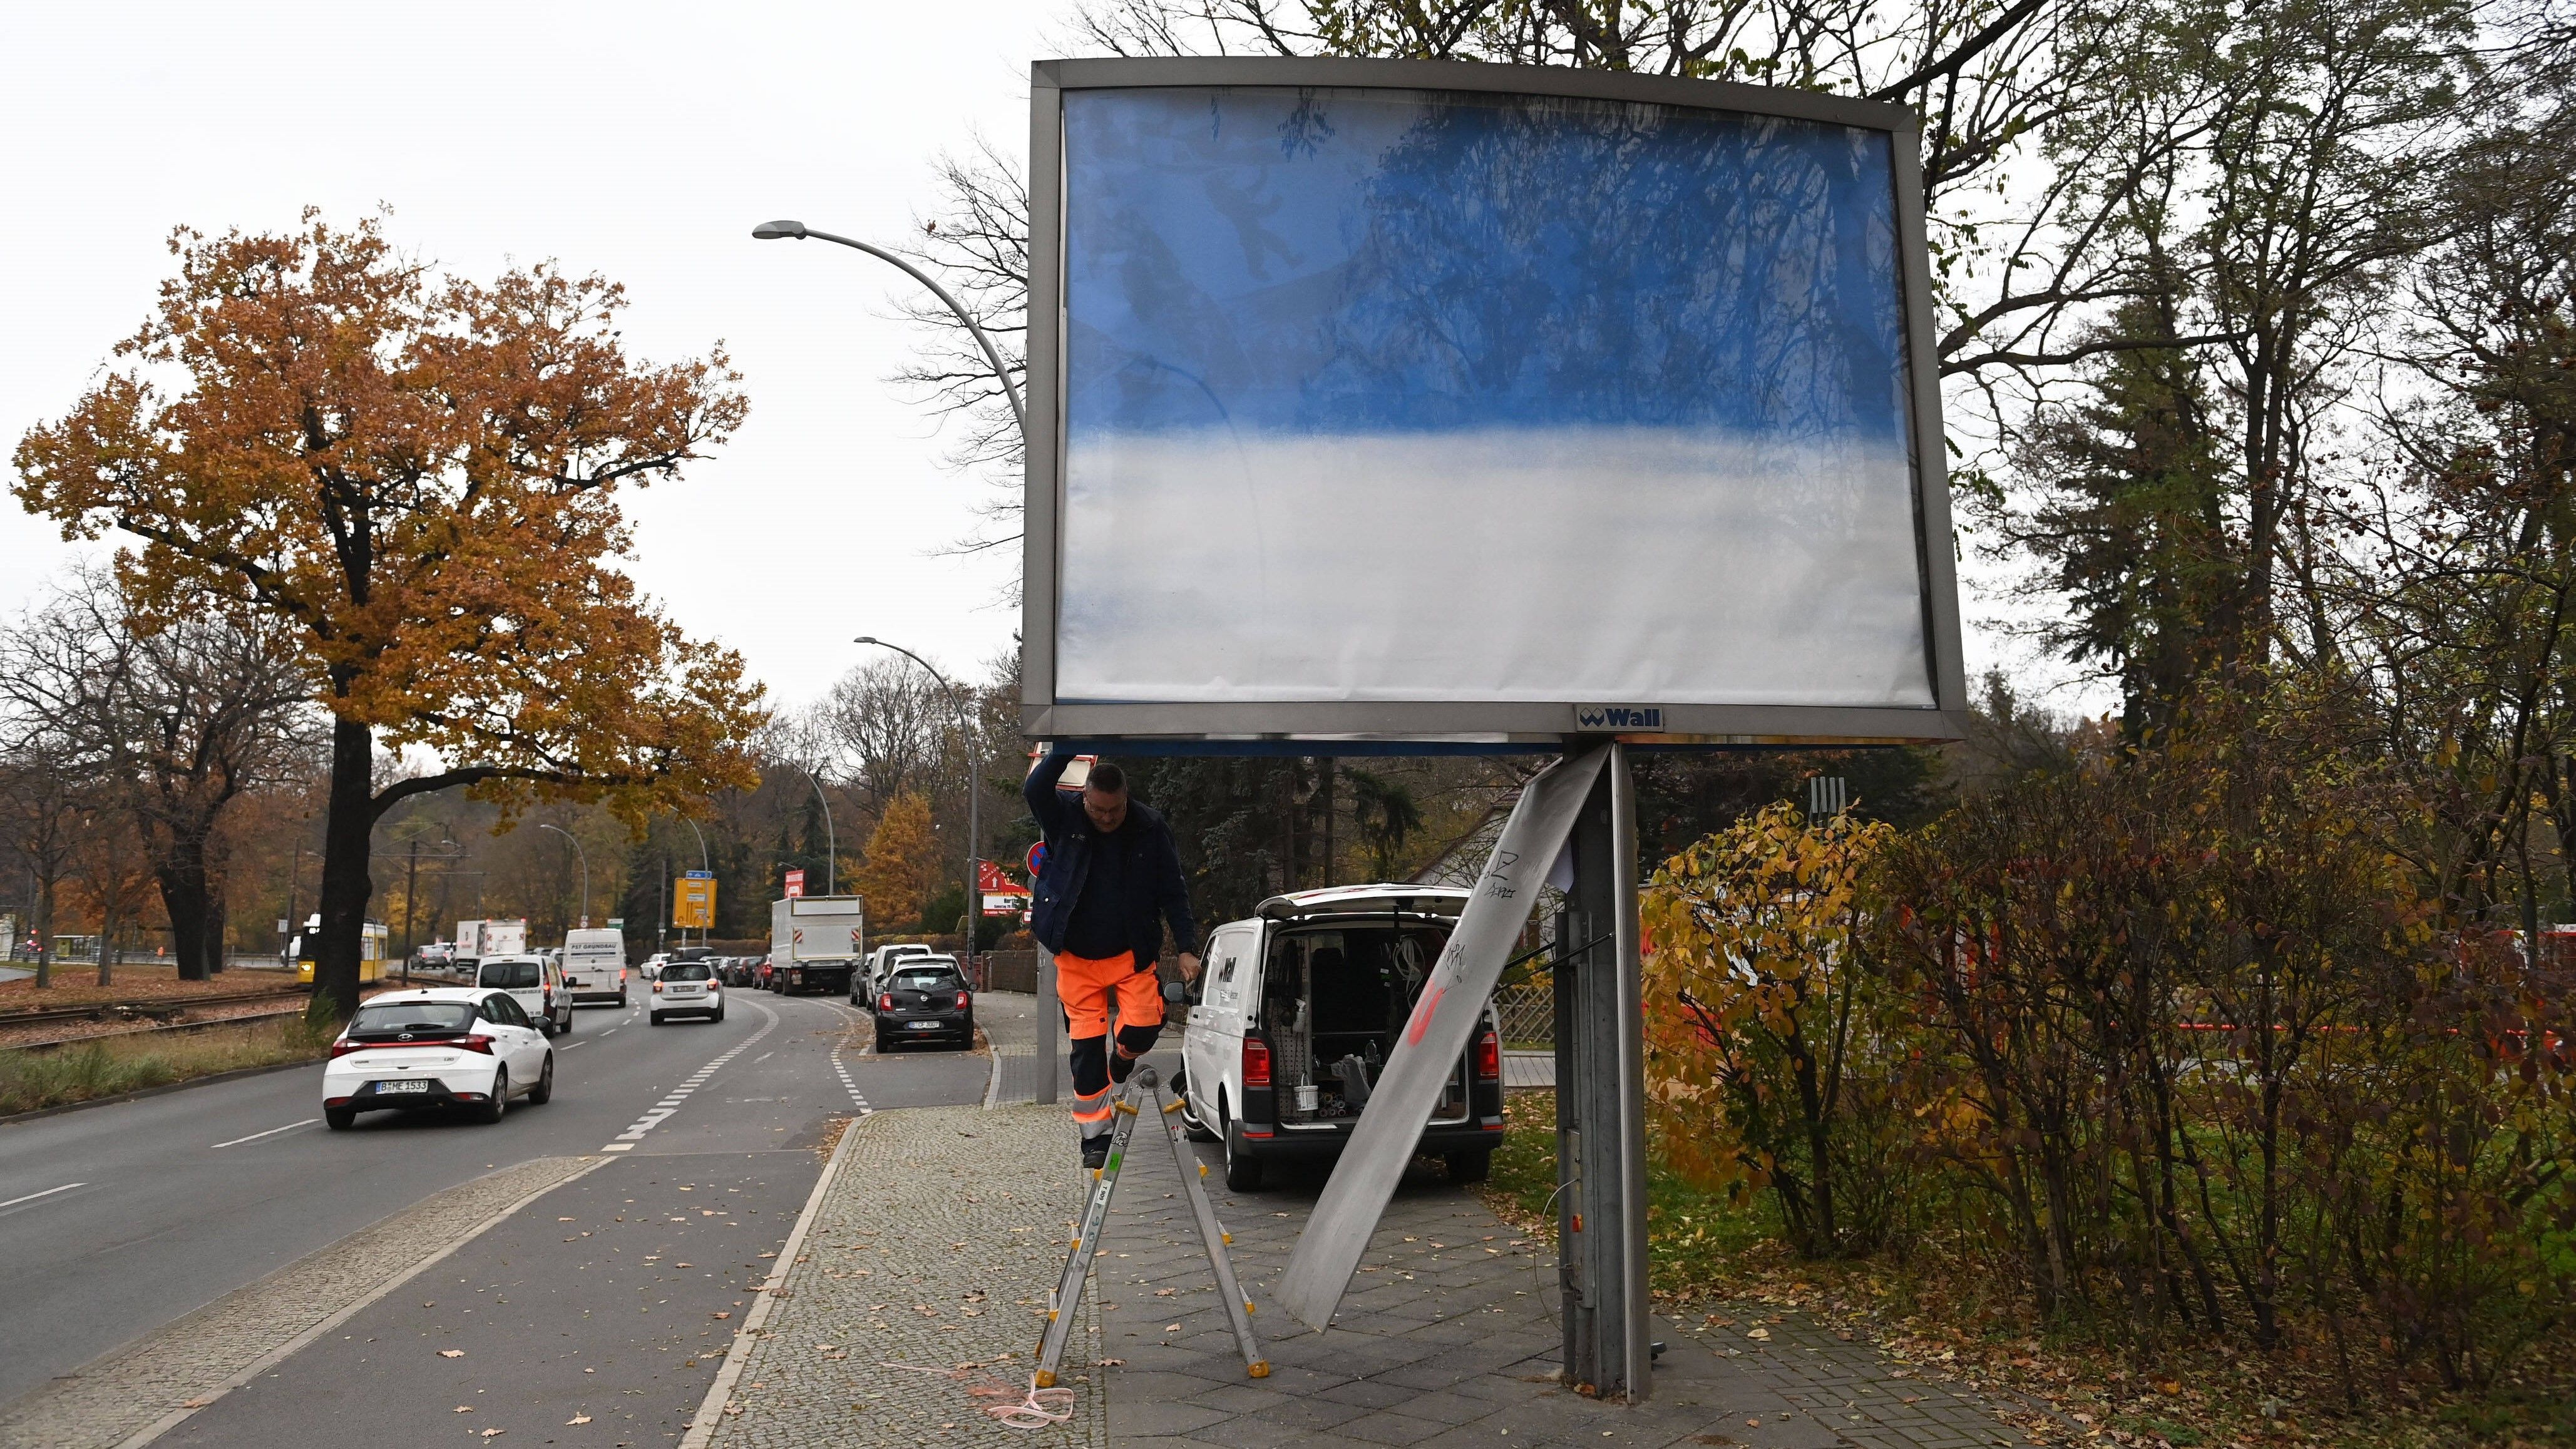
x=121 y=1218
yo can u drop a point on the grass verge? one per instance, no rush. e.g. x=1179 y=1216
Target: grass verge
x=33 y=1080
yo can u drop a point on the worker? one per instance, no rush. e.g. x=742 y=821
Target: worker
x=1110 y=883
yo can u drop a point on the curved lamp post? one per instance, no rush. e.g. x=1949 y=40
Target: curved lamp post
x=584 y=857
x=1048 y=1023
x=831 y=843
x=799 y=231
x=974 y=819
x=704 y=864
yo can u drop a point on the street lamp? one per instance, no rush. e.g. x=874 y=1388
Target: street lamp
x=706 y=864
x=584 y=857
x=831 y=842
x=974 y=821
x=797 y=230
x=1048 y=1022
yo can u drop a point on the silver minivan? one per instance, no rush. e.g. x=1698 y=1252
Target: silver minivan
x=1299 y=1009
x=536 y=983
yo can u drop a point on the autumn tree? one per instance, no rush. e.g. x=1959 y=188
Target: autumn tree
x=417 y=476
x=903 y=864
x=172 y=723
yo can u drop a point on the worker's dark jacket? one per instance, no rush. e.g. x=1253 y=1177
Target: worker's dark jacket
x=1143 y=872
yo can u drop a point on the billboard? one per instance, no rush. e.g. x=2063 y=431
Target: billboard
x=1415 y=400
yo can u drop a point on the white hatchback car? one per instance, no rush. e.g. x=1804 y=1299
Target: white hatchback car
x=688 y=988
x=446 y=1046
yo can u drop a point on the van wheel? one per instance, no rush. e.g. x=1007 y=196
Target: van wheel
x=1190 y=1122
x=1473 y=1165
x=1242 y=1170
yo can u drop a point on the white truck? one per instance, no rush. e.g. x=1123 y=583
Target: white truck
x=478 y=939
x=816 y=943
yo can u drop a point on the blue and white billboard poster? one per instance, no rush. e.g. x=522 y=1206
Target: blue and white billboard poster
x=1379 y=395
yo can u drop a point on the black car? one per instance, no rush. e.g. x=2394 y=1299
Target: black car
x=925 y=1000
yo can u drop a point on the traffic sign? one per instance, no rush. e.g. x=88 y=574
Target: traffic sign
x=795 y=885
x=693 y=900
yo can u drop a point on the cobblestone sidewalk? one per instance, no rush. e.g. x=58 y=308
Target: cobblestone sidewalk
x=933 y=1254
x=1449 y=1336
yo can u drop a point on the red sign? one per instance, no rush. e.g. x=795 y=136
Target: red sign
x=795 y=884
x=1002 y=895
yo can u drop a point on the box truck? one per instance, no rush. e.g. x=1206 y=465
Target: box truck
x=478 y=939
x=816 y=942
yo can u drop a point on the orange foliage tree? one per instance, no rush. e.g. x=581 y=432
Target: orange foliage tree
x=902 y=867
x=417 y=474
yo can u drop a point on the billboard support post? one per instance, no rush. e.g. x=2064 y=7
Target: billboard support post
x=1600 y=1098
x=1050 y=1027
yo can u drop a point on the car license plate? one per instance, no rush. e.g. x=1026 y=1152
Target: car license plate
x=410 y=1086
x=925 y=1026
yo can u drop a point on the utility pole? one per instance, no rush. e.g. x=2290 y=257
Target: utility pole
x=662 y=916
x=411 y=896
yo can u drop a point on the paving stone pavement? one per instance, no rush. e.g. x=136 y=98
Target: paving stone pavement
x=189 y=1361
x=1448 y=1336
x=935 y=1251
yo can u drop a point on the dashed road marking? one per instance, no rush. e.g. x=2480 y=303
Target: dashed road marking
x=254 y=1137
x=671 y=1104
x=48 y=1192
x=841 y=1069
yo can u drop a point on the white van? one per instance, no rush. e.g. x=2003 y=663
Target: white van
x=880 y=965
x=1299 y=1009
x=594 y=965
x=536 y=983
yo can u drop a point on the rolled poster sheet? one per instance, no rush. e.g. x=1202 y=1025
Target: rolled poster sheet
x=1443 y=1018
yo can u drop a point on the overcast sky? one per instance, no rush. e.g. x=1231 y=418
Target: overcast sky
x=638 y=140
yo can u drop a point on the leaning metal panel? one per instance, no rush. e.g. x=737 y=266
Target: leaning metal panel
x=1444 y=1017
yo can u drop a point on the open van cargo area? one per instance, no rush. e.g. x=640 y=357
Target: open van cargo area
x=1335 y=997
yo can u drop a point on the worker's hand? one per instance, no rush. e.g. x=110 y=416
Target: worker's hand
x=1189 y=967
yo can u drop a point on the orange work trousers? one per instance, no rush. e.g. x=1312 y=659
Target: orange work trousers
x=1084 y=987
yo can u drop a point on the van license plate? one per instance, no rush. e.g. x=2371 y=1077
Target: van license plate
x=411 y=1086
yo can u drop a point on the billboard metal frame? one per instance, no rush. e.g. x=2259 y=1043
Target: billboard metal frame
x=1252 y=725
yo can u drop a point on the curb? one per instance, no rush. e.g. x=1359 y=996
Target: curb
x=139 y=1093
x=711 y=1409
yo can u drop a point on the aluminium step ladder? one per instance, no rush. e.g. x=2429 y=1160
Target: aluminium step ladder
x=1095 y=1214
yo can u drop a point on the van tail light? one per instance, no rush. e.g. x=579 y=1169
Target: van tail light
x=964 y=1001
x=1489 y=1058
x=1256 y=1062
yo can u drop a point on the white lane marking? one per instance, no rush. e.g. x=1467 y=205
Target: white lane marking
x=764 y=1056
x=612 y=1031
x=671 y=1103
x=48 y=1192
x=857 y=1099
x=254 y=1137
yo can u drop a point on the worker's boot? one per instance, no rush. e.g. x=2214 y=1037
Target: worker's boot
x=1095 y=1151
